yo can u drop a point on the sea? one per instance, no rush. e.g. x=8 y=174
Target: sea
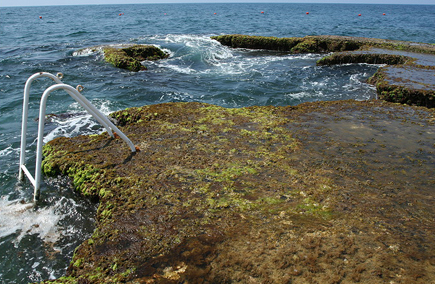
x=37 y=241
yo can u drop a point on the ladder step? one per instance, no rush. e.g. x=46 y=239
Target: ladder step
x=29 y=175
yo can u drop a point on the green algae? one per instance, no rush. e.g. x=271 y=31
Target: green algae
x=130 y=57
x=284 y=192
x=369 y=58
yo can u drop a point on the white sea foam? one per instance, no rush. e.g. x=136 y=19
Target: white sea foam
x=199 y=54
x=356 y=83
x=87 y=51
x=8 y=151
x=78 y=122
x=20 y=219
x=69 y=128
x=298 y=96
x=23 y=219
x=177 y=96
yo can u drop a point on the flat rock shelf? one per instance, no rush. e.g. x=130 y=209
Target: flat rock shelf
x=324 y=192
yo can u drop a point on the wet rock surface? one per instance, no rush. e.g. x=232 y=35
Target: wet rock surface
x=325 y=192
x=408 y=78
x=130 y=57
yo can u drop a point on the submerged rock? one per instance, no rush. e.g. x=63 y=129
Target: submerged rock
x=408 y=77
x=323 y=192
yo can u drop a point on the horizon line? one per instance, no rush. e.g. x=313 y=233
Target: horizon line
x=217 y=2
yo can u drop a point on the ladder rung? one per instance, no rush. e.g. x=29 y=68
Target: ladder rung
x=29 y=175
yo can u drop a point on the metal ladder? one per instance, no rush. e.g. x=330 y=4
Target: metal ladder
x=75 y=94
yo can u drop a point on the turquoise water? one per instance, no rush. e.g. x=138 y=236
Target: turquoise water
x=37 y=243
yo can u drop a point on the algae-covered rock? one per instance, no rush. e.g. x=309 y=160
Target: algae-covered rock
x=408 y=78
x=292 y=44
x=130 y=57
x=326 y=192
x=369 y=58
x=319 y=44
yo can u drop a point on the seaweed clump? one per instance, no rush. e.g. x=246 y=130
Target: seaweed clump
x=130 y=58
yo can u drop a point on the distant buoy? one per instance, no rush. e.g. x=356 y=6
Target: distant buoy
x=359 y=15
x=120 y=14
x=215 y=13
x=262 y=12
x=383 y=14
x=40 y=17
x=307 y=13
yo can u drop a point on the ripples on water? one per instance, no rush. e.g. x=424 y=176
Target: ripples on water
x=36 y=243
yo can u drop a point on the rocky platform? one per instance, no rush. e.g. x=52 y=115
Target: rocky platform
x=408 y=77
x=325 y=192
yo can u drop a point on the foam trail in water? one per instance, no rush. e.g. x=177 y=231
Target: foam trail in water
x=191 y=54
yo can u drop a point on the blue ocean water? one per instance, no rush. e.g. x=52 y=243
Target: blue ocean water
x=37 y=242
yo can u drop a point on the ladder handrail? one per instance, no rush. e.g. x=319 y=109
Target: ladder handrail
x=93 y=111
x=25 y=115
x=75 y=94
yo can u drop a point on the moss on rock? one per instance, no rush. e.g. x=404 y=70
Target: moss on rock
x=130 y=57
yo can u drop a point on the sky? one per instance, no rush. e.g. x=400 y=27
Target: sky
x=6 y=3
